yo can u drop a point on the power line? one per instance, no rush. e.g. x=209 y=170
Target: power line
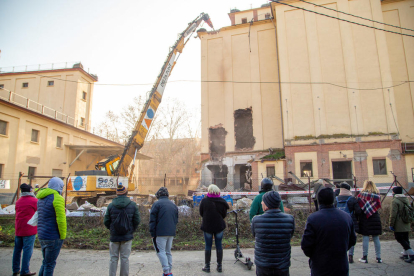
x=241 y=82
x=337 y=18
x=360 y=17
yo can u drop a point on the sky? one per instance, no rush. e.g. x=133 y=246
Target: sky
x=123 y=42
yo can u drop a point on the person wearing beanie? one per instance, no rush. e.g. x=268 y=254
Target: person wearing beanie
x=256 y=207
x=346 y=202
x=162 y=227
x=273 y=231
x=51 y=229
x=401 y=228
x=213 y=210
x=121 y=242
x=329 y=234
x=25 y=234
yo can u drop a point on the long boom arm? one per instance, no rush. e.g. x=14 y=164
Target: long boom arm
x=137 y=138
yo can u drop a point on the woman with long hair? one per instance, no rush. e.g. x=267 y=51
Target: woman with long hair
x=213 y=209
x=369 y=221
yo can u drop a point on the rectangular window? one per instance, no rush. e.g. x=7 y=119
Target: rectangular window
x=380 y=166
x=306 y=169
x=82 y=122
x=84 y=95
x=35 y=136
x=50 y=83
x=31 y=172
x=59 y=142
x=244 y=20
x=57 y=173
x=25 y=85
x=270 y=171
x=1 y=170
x=1 y=86
x=267 y=15
x=3 y=127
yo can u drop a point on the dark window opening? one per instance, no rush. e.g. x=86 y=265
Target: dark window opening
x=25 y=84
x=270 y=171
x=267 y=15
x=84 y=95
x=31 y=172
x=50 y=83
x=1 y=170
x=380 y=166
x=35 y=136
x=219 y=175
x=244 y=20
x=217 y=142
x=246 y=177
x=1 y=86
x=342 y=170
x=306 y=169
x=59 y=142
x=243 y=129
x=3 y=127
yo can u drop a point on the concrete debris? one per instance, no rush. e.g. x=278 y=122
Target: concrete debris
x=244 y=203
x=10 y=209
x=72 y=207
x=298 y=200
x=184 y=210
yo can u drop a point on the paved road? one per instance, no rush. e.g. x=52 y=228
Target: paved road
x=90 y=262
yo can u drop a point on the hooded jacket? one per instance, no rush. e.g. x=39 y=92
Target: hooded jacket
x=273 y=231
x=256 y=207
x=396 y=208
x=213 y=210
x=329 y=234
x=163 y=218
x=26 y=206
x=52 y=217
x=114 y=208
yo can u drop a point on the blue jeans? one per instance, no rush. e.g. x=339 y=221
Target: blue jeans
x=26 y=244
x=208 y=238
x=50 y=252
x=377 y=245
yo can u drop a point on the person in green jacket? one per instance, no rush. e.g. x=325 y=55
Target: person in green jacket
x=401 y=229
x=256 y=207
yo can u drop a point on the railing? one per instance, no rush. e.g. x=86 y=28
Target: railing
x=39 y=108
x=40 y=67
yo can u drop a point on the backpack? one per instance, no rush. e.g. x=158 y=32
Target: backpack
x=343 y=205
x=122 y=222
x=407 y=214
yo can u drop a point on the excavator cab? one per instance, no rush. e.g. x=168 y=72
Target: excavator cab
x=108 y=164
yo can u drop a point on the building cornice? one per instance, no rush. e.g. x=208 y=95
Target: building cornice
x=93 y=78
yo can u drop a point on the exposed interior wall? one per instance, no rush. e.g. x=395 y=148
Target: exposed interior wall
x=243 y=129
x=217 y=145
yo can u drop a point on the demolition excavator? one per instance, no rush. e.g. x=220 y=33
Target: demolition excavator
x=100 y=184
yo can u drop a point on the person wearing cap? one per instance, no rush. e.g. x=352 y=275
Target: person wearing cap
x=51 y=229
x=120 y=243
x=273 y=231
x=348 y=203
x=25 y=234
x=329 y=234
x=401 y=229
x=162 y=227
x=256 y=207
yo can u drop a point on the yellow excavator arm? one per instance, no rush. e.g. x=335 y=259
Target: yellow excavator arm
x=140 y=131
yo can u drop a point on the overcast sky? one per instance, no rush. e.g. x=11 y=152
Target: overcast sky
x=123 y=42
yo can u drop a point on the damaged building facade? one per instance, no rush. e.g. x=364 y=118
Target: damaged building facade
x=287 y=90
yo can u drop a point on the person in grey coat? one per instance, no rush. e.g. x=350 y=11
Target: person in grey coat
x=163 y=222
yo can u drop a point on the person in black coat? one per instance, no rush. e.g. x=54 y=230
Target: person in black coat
x=329 y=234
x=273 y=231
x=352 y=208
x=213 y=210
x=370 y=220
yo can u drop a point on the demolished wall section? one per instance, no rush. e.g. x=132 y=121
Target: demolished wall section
x=217 y=142
x=243 y=129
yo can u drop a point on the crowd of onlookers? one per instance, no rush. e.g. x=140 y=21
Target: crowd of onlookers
x=328 y=240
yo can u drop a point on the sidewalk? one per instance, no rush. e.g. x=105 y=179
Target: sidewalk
x=89 y=262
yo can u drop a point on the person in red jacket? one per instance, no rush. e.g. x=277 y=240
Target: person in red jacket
x=25 y=236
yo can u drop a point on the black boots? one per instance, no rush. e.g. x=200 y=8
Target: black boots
x=207 y=259
x=351 y=259
x=220 y=260
x=410 y=259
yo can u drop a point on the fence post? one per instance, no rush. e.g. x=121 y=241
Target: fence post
x=309 y=195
